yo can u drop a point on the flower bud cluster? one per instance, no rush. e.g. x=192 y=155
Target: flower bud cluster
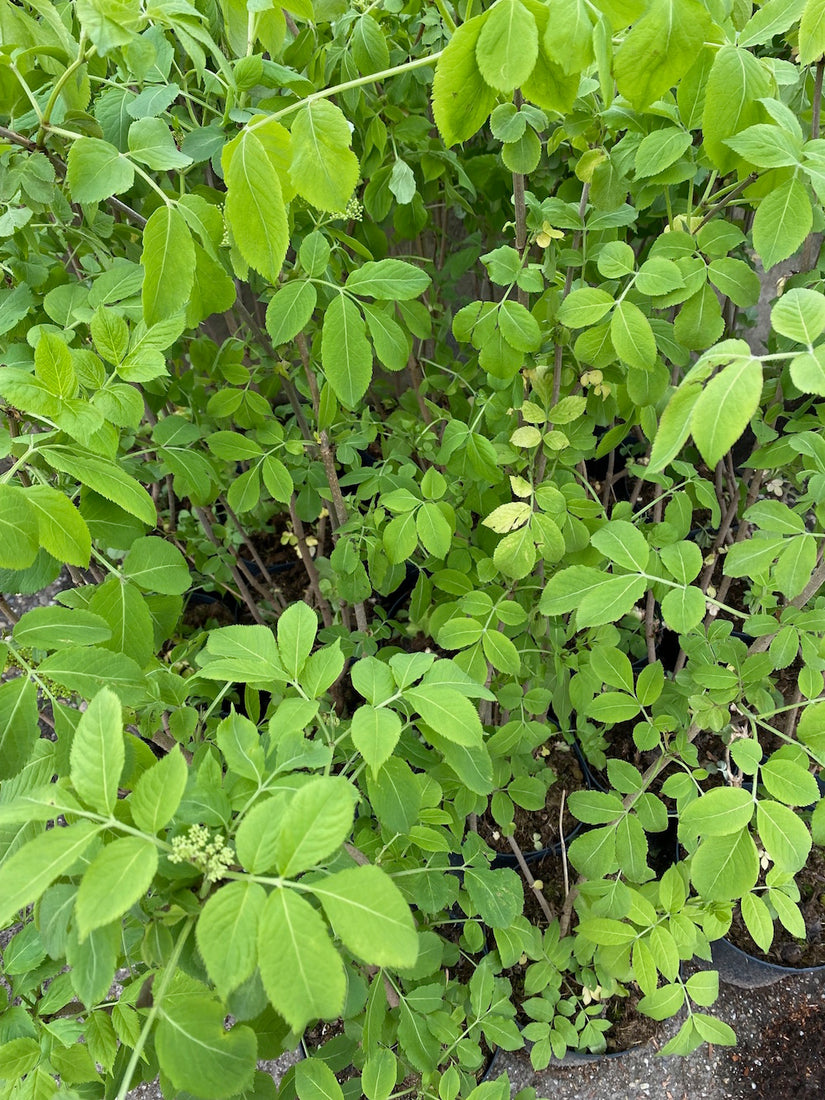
x=212 y=855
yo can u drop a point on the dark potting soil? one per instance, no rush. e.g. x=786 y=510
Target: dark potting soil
x=538 y=829
x=785 y=949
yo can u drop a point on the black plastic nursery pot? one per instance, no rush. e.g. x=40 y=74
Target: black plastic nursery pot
x=737 y=967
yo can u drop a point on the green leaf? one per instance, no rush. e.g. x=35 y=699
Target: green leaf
x=367 y=911
x=496 y=895
x=812 y=32
x=389 y=280
x=158 y=792
x=375 y=732
x=105 y=478
x=316 y=823
x=612 y=707
x=699 y=322
x=736 y=83
x=297 y=627
x=244 y=653
x=799 y=314
x=240 y=743
x=622 y=543
x=723 y=869
x=379 y=1074
x=86 y=671
x=508 y=46
x=26 y=874
x=19 y=540
x=449 y=713
x=713 y=1030
x=109 y=24
x=515 y=555
x=501 y=652
x=683 y=609
x=117 y=877
x=157 y=566
x=659 y=49
x=53 y=366
x=665 y=1002
x=255 y=204
x=736 y=279
x=56 y=627
x=632 y=336
x=93 y=961
x=197 y=1053
x=808 y=372
x=585 y=306
x=314 y=1080
x=19 y=730
x=595 y=807
x=568 y=36
x=610 y=601
x=783 y=834
x=62 y=529
x=772 y=18
x=96 y=170
x=782 y=222
x=151 y=143
x=660 y=150
x=811 y=727
x=301 y=971
x=345 y=351
x=725 y=407
x=98 y=753
x=767 y=145
x=289 y=311
x=324 y=167
x=462 y=101
x=720 y=811
x=758 y=920
x=392 y=344
x=168 y=260
x=227 y=934
x=433 y=530
x=395 y=796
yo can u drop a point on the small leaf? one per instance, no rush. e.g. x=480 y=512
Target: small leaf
x=96 y=170
x=255 y=204
x=117 y=877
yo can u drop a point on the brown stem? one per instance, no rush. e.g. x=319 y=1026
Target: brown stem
x=309 y=564
x=11 y=615
x=531 y=882
x=728 y=199
x=245 y=594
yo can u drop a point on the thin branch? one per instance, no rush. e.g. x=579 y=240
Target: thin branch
x=531 y=882
x=309 y=564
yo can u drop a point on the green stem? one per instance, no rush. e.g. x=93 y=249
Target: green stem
x=153 y=1011
x=449 y=22
x=81 y=59
x=325 y=93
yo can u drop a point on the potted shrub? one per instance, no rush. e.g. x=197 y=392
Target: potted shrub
x=420 y=336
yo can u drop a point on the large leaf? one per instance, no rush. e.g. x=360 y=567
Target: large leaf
x=117 y=877
x=197 y=1053
x=449 y=713
x=508 y=45
x=301 y=971
x=227 y=934
x=254 y=204
x=345 y=351
x=157 y=566
x=62 y=529
x=390 y=280
x=98 y=752
x=168 y=260
x=297 y=627
x=316 y=823
x=324 y=168
x=106 y=478
x=660 y=49
x=735 y=85
x=158 y=792
x=25 y=875
x=782 y=222
x=19 y=730
x=19 y=540
x=725 y=407
x=366 y=909
x=96 y=170
x=725 y=867
x=462 y=101
x=812 y=32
